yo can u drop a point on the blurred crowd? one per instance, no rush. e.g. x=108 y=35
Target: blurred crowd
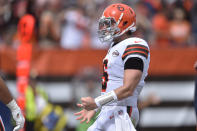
x=72 y=24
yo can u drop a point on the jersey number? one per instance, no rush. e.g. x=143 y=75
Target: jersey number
x=105 y=76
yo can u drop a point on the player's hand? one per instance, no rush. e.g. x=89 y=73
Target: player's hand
x=88 y=103
x=85 y=115
x=17 y=115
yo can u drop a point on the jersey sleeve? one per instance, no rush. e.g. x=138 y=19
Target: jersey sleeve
x=134 y=63
x=136 y=50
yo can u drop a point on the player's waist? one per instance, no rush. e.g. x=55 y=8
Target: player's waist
x=112 y=107
x=127 y=109
x=129 y=101
x=114 y=85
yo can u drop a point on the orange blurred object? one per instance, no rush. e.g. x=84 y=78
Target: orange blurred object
x=26 y=28
x=23 y=56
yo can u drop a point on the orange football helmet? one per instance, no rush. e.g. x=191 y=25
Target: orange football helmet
x=115 y=21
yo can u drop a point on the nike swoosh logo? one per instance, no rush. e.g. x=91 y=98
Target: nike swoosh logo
x=137 y=41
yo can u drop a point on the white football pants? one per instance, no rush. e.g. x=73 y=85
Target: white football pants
x=116 y=118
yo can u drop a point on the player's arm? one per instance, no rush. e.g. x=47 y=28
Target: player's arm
x=5 y=95
x=133 y=69
x=131 y=80
x=6 y=98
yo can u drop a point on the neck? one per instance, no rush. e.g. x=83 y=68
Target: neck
x=121 y=38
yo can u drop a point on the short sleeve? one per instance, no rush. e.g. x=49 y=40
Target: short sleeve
x=136 y=50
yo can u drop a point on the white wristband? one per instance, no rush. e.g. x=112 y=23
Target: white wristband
x=12 y=105
x=106 y=99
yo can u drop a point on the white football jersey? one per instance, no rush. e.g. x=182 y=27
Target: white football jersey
x=113 y=65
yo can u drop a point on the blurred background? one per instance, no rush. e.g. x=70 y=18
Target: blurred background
x=52 y=57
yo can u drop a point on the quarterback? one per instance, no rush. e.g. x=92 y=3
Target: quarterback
x=7 y=99
x=124 y=69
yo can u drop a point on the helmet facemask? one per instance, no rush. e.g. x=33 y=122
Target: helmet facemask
x=108 y=28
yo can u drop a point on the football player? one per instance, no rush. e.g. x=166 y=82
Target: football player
x=125 y=68
x=7 y=99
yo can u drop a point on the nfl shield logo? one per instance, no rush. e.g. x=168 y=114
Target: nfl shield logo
x=115 y=53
